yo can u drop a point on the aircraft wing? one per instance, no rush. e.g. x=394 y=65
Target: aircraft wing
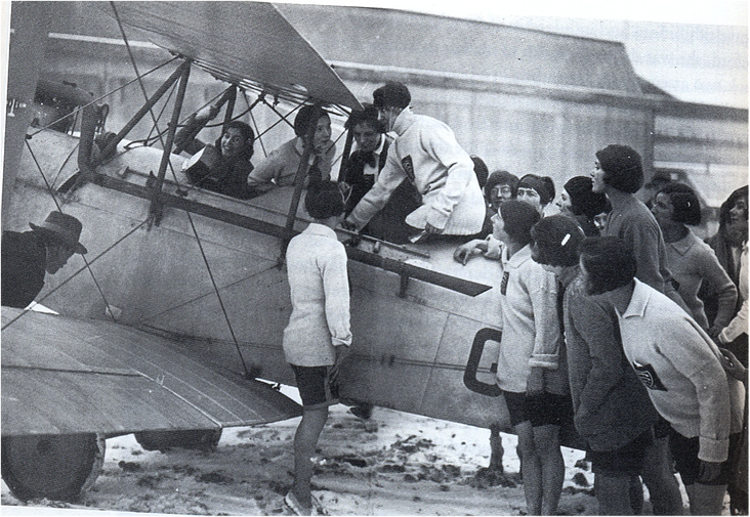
x=248 y=43
x=63 y=375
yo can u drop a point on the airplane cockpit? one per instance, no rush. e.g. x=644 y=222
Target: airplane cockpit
x=179 y=279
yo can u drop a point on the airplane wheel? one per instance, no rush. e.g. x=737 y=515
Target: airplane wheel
x=57 y=467
x=201 y=439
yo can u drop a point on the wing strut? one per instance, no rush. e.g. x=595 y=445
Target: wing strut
x=111 y=147
x=156 y=209
x=345 y=155
x=229 y=95
x=299 y=181
x=88 y=166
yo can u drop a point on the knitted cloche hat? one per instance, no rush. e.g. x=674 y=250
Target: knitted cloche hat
x=582 y=199
x=518 y=218
x=622 y=166
x=543 y=185
x=392 y=94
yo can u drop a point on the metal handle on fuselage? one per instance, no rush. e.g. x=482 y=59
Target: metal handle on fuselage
x=472 y=365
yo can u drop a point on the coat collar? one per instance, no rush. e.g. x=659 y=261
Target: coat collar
x=404 y=121
x=639 y=301
x=381 y=146
x=518 y=257
x=320 y=229
x=685 y=244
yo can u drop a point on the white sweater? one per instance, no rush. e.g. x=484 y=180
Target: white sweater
x=680 y=365
x=316 y=265
x=738 y=325
x=427 y=153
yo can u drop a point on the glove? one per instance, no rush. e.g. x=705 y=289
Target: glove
x=207 y=112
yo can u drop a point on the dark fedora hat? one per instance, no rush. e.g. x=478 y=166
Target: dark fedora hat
x=63 y=227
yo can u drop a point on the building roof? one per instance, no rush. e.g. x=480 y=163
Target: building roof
x=263 y=51
x=426 y=42
x=441 y=44
x=649 y=88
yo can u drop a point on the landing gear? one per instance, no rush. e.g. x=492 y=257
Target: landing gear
x=57 y=467
x=201 y=439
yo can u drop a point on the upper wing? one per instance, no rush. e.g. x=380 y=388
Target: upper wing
x=248 y=43
x=63 y=375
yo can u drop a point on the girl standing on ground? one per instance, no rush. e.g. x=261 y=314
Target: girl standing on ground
x=531 y=369
x=318 y=335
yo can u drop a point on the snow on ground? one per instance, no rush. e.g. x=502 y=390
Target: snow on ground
x=393 y=464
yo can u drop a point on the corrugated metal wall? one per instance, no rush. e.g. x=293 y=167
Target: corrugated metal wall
x=543 y=108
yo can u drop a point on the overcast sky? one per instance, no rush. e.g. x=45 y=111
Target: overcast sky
x=718 y=12
x=695 y=50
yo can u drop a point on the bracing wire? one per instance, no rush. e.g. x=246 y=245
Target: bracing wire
x=153 y=137
x=80 y=270
x=190 y=218
x=62 y=166
x=204 y=295
x=161 y=112
x=236 y=117
x=147 y=141
x=139 y=77
x=255 y=125
x=218 y=296
x=282 y=118
x=59 y=208
x=97 y=99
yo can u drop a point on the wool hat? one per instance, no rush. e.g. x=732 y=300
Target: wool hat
x=480 y=169
x=557 y=238
x=543 y=185
x=519 y=218
x=622 y=166
x=392 y=94
x=582 y=199
x=64 y=228
x=686 y=207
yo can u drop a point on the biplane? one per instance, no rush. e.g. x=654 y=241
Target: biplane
x=170 y=327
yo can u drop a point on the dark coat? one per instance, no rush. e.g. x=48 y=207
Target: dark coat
x=355 y=175
x=225 y=176
x=213 y=171
x=24 y=258
x=390 y=223
x=611 y=405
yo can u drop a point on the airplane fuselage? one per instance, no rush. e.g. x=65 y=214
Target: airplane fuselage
x=412 y=338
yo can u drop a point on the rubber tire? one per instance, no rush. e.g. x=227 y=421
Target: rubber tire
x=200 y=439
x=57 y=467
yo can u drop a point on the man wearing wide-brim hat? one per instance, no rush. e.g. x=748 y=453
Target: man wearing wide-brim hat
x=28 y=256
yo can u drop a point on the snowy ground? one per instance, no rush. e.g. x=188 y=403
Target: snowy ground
x=393 y=464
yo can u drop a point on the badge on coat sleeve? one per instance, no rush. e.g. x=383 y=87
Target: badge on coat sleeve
x=408 y=167
x=648 y=377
